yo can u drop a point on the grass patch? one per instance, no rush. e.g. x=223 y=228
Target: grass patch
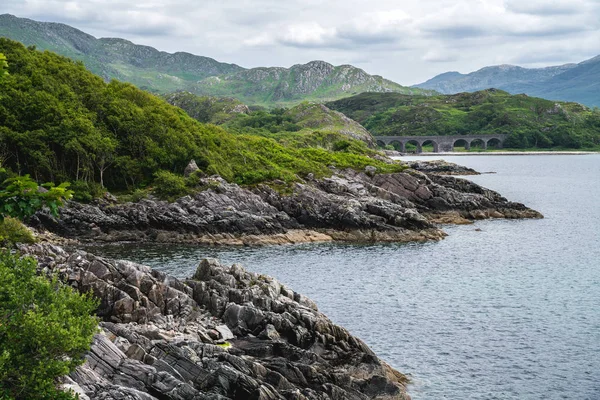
x=14 y=231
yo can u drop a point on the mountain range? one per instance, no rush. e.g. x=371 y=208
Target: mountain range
x=570 y=82
x=162 y=72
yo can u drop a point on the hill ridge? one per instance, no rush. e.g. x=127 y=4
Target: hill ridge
x=577 y=82
x=163 y=72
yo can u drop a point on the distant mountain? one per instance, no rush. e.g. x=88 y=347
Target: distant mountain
x=316 y=80
x=162 y=72
x=110 y=58
x=570 y=82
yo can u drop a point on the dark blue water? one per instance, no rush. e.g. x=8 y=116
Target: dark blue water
x=508 y=312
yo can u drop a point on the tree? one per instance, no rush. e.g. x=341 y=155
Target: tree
x=45 y=329
x=3 y=65
x=104 y=155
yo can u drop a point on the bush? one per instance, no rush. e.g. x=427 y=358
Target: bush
x=13 y=231
x=341 y=145
x=45 y=329
x=139 y=194
x=85 y=192
x=168 y=186
x=195 y=178
x=20 y=197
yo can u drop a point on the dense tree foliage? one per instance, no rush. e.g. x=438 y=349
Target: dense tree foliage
x=45 y=328
x=59 y=122
x=530 y=121
x=3 y=66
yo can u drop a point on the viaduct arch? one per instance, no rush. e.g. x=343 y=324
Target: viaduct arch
x=441 y=143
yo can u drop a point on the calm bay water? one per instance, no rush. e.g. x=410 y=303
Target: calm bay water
x=508 y=312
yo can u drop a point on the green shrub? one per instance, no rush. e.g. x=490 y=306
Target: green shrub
x=20 y=197
x=194 y=179
x=45 y=329
x=341 y=145
x=139 y=194
x=168 y=186
x=13 y=231
x=85 y=191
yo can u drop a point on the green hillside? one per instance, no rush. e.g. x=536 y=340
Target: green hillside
x=302 y=120
x=113 y=58
x=530 y=121
x=60 y=122
x=207 y=109
x=314 y=81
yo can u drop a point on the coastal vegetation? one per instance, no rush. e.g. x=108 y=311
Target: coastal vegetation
x=45 y=329
x=59 y=122
x=531 y=122
x=20 y=198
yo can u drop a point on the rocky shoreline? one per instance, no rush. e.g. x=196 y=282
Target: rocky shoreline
x=223 y=334
x=348 y=206
x=227 y=333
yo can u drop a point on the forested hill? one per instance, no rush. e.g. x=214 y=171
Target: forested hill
x=530 y=121
x=58 y=121
x=161 y=72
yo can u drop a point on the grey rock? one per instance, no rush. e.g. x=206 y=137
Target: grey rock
x=279 y=346
x=224 y=332
x=190 y=168
x=349 y=205
x=370 y=170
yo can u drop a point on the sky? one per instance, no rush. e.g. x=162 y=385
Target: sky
x=407 y=41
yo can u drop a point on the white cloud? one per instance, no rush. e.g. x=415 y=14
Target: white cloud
x=440 y=56
x=547 y=7
x=407 y=41
x=308 y=35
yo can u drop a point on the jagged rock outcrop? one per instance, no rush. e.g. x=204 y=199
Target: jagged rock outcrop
x=350 y=205
x=442 y=167
x=223 y=334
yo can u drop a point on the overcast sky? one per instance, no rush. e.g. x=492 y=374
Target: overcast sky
x=408 y=41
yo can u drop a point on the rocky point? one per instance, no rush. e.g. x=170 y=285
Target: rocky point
x=225 y=333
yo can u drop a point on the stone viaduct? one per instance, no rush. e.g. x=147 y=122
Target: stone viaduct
x=442 y=143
